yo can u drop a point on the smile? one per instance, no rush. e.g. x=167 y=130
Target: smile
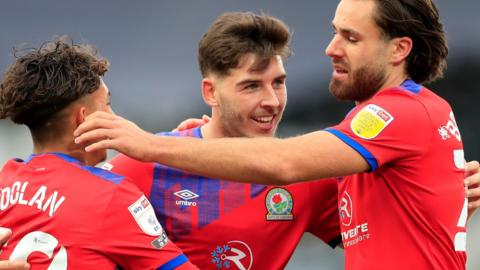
x=263 y=119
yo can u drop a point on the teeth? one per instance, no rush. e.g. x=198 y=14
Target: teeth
x=264 y=119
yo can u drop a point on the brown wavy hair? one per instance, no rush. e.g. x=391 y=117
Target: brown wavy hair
x=45 y=80
x=419 y=20
x=235 y=34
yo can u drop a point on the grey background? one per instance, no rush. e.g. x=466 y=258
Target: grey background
x=155 y=81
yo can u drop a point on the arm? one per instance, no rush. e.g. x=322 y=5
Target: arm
x=267 y=160
x=5 y=234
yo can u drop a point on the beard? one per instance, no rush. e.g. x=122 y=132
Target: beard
x=234 y=123
x=361 y=83
x=231 y=121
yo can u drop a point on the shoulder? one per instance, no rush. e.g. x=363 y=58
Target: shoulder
x=66 y=164
x=104 y=175
x=194 y=132
x=394 y=105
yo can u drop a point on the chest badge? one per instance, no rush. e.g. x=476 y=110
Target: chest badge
x=279 y=204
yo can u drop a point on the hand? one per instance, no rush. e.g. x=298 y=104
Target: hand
x=103 y=130
x=192 y=123
x=472 y=182
x=5 y=234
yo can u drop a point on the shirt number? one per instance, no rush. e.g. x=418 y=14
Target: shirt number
x=44 y=243
x=461 y=237
x=453 y=128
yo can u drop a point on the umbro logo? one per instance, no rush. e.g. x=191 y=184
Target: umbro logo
x=186 y=194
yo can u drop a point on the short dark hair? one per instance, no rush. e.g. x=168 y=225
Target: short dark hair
x=419 y=20
x=235 y=34
x=43 y=81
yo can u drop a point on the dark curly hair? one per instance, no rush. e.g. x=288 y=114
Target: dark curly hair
x=235 y=34
x=419 y=20
x=42 y=82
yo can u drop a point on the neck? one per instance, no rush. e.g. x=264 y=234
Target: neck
x=212 y=130
x=392 y=81
x=69 y=148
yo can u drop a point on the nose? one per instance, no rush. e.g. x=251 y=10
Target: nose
x=270 y=97
x=334 y=49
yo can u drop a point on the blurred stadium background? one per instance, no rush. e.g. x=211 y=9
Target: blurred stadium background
x=155 y=81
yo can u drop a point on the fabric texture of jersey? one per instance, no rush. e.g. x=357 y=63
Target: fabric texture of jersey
x=225 y=225
x=67 y=216
x=409 y=211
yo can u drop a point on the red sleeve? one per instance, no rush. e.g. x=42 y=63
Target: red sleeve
x=324 y=220
x=393 y=125
x=139 y=173
x=132 y=236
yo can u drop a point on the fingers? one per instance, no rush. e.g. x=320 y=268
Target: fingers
x=5 y=234
x=100 y=145
x=189 y=123
x=472 y=182
x=14 y=265
x=96 y=120
x=473 y=192
x=101 y=115
x=96 y=135
x=472 y=173
x=206 y=118
x=94 y=123
x=475 y=204
x=472 y=167
x=192 y=123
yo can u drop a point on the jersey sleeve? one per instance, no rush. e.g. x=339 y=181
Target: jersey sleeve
x=132 y=236
x=324 y=221
x=139 y=173
x=393 y=125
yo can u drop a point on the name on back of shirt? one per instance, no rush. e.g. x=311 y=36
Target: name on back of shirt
x=43 y=199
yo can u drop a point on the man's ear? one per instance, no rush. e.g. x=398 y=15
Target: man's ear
x=401 y=48
x=80 y=115
x=208 y=92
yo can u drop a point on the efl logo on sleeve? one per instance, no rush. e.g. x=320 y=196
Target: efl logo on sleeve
x=143 y=213
x=370 y=121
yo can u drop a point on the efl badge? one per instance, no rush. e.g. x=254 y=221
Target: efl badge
x=143 y=213
x=279 y=204
x=370 y=121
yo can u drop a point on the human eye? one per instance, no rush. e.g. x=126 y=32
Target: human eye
x=278 y=83
x=252 y=86
x=352 y=39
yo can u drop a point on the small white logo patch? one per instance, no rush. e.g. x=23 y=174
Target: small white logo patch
x=107 y=166
x=186 y=194
x=142 y=212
